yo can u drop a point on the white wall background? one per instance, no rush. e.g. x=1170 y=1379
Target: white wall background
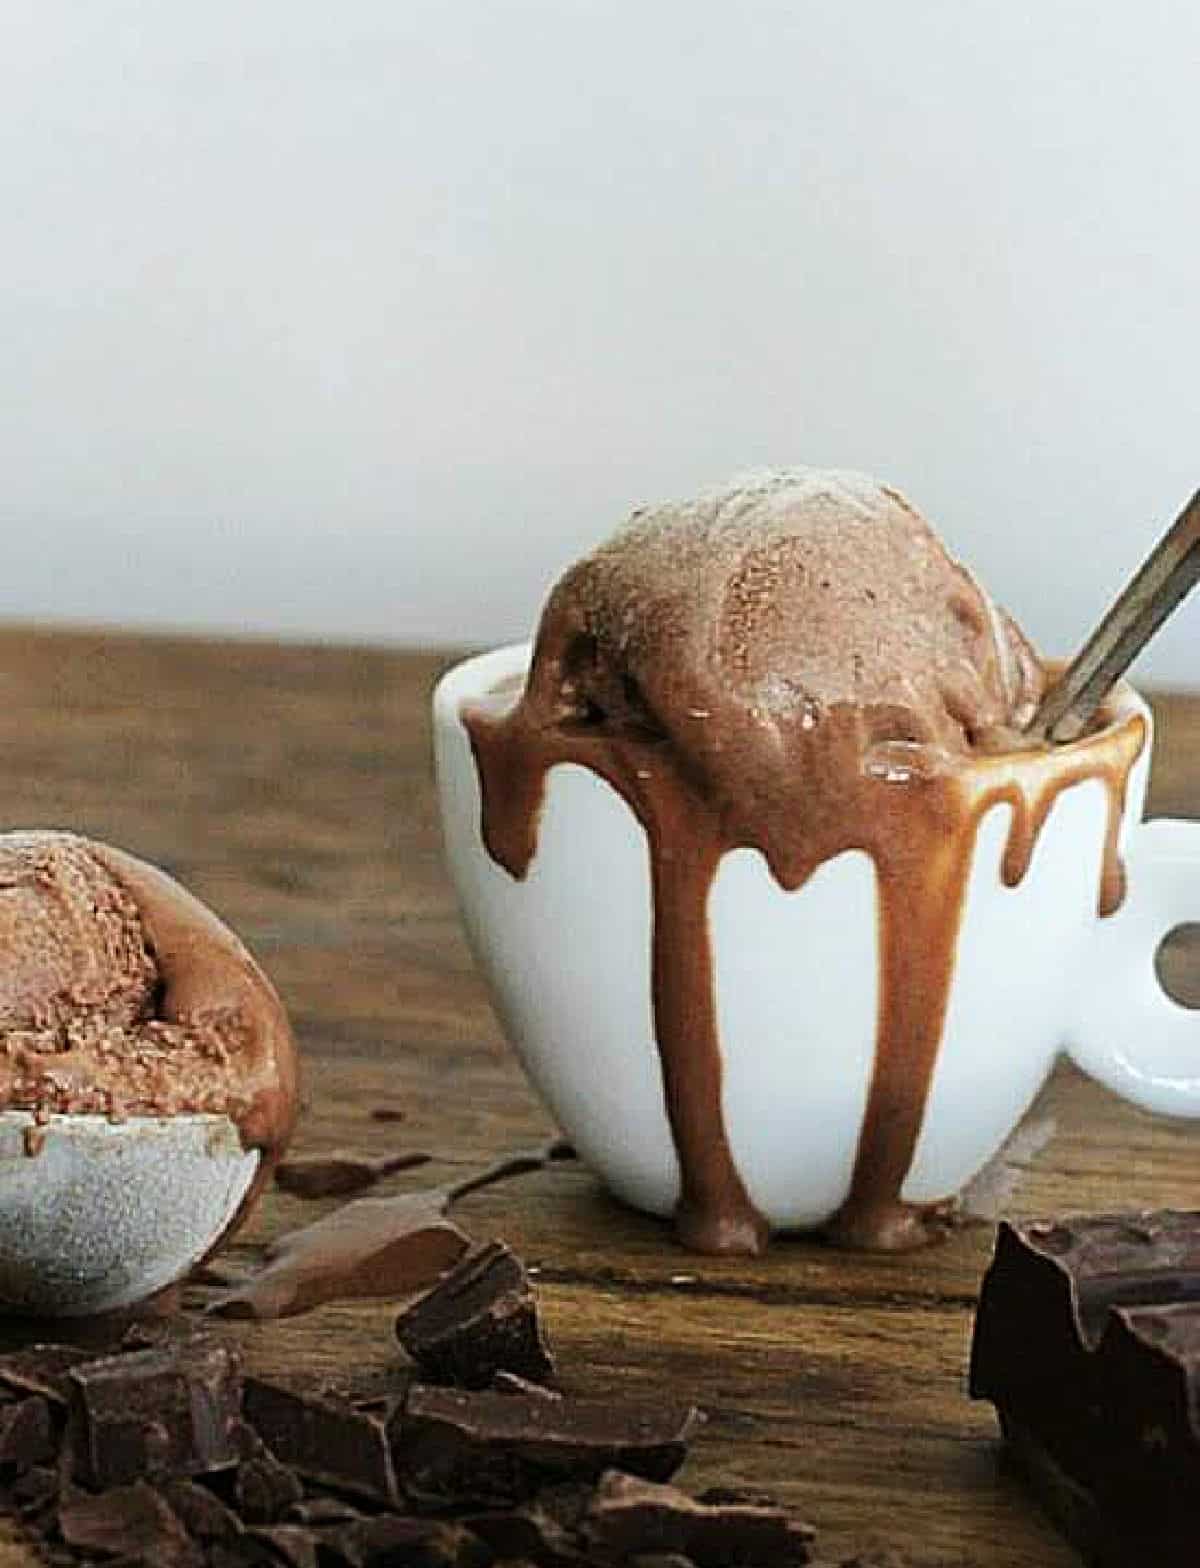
x=361 y=320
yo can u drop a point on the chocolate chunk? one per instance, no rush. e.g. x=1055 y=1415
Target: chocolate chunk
x=171 y=1410
x=290 y=1544
x=42 y=1369
x=629 y=1515
x=201 y=1512
x=392 y=1539
x=324 y=1438
x=264 y=1489
x=478 y=1320
x=127 y=1521
x=26 y=1433
x=529 y=1534
x=484 y=1446
x=1087 y=1341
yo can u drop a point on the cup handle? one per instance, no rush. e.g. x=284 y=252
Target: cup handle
x=1127 y=1032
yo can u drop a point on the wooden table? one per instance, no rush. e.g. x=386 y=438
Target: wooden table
x=290 y=788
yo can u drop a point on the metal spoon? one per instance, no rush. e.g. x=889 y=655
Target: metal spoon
x=1168 y=574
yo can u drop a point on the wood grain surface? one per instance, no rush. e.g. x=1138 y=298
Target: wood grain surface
x=290 y=788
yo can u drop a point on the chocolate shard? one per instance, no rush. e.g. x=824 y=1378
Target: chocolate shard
x=127 y=1521
x=26 y=1433
x=168 y=1411
x=480 y=1319
x=1087 y=1341
x=324 y=1438
x=483 y=1446
x=394 y=1539
x=264 y=1489
x=201 y=1512
x=629 y=1515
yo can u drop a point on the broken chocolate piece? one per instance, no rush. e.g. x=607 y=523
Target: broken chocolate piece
x=478 y=1320
x=484 y=1446
x=26 y=1433
x=528 y=1534
x=42 y=1369
x=201 y=1512
x=392 y=1539
x=264 y=1489
x=324 y=1438
x=127 y=1521
x=1087 y=1341
x=290 y=1544
x=167 y=1411
x=629 y=1515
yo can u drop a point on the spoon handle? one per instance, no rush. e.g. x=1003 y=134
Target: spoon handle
x=1170 y=571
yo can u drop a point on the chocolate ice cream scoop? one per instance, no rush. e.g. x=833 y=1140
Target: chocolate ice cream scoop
x=148 y=1076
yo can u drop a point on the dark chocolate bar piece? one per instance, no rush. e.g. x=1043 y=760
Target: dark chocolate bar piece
x=324 y=1438
x=487 y=1446
x=1087 y=1341
x=173 y=1410
x=478 y=1320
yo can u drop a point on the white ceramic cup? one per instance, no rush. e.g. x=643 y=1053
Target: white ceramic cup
x=566 y=952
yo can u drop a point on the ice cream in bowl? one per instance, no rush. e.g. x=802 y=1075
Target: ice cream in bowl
x=147 y=1077
x=785 y=910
